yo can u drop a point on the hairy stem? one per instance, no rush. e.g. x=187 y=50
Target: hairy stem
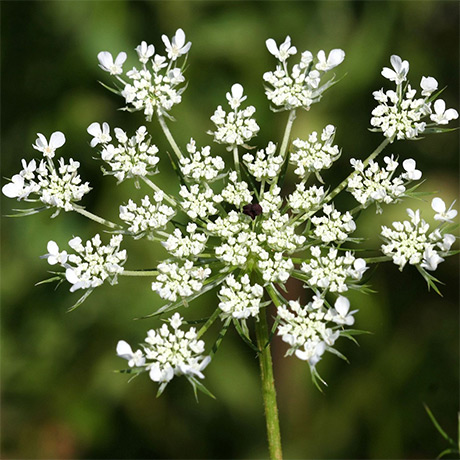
x=169 y=136
x=268 y=388
x=287 y=133
x=236 y=160
x=97 y=219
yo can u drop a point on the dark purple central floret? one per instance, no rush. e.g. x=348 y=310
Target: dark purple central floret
x=252 y=210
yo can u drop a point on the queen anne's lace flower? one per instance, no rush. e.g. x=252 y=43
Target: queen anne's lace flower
x=332 y=272
x=265 y=165
x=400 y=114
x=314 y=155
x=201 y=166
x=198 y=202
x=131 y=157
x=184 y=247
x=93 y=262
x=147 y=216
x=311 y=330
x=302 y=86
x=240 y=299
x=236 y=192
x=375 y=184
x=274 y=267
x=303 y=199
x=333 y=226
x=181 y=280
x=237 y=127
x=57 y=186
x=410 y=242
x=168 y=352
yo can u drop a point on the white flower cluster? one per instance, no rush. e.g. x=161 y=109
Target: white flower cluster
x=332 y=272
x=156 y=90
x=236 y=192
x=92 y=265
x=302 y=86
x=411 y=242
x=228 y=226
x=198 y=201
x=184 y=247
x=274 y=267
x=311 y=330
x=56 y=186
x=271 y=200
x=265 y=165
x=240 y=299
x=314 y=155
x=333 y=226
x=132 y=157
x=147 y=216
x=376 y=184
x=303 y=199
x=168 y=352
x=235 y=251
x=400 y=114
x=237 y=127
x=201 y=166
x=280 y=234
x=179 y=279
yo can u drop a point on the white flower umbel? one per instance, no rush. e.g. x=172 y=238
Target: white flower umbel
x=184 y=247
x=180 y=280
x=303 y=199
x=236 y=192
x=236 y=250
x=93 y=262
x=265 y=165
x=168 y=352
x=280 y=236
x=200 y=165
x=400 y=114
x=148 y=215
x=239 y=299
x=302 y=86
x=131 y=157
x=237 y=127
x=412 y=242
x=376 y=184
x=57 y=186
x=333 y=226
x=228 y=226
x=314 y=155
x=313 y=329
x=274 y=267
x=332 y=272
x=198 y=201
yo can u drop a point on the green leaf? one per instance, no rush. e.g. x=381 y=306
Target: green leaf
x=197 y=385
x=244 y=334
x=438 y=426
x=50 y=280
x=221 y=336
x=80 y=300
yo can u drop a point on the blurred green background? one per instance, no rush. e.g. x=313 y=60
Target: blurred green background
x=60 y=397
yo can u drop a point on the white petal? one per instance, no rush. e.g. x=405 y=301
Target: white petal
x=438 y=205
x=94 y=129
x=124 y=350
x=439 y=107
x=342 y=305
x=105 y=59
x=396 y=62
x=179 y=38
x=237 y=91
x=271 y=46
x=52 y=247
x=121 y=58
x=57 y=139
x=409 y=164
x=336 y=57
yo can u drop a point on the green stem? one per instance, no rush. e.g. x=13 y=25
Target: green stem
x=139 y=273
x=155 y=187
x=374 y=260
x=268 y=388
x=236 y=160
x=287 y=133
x=209 y=322
x=169 y=136
x=97 y=219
